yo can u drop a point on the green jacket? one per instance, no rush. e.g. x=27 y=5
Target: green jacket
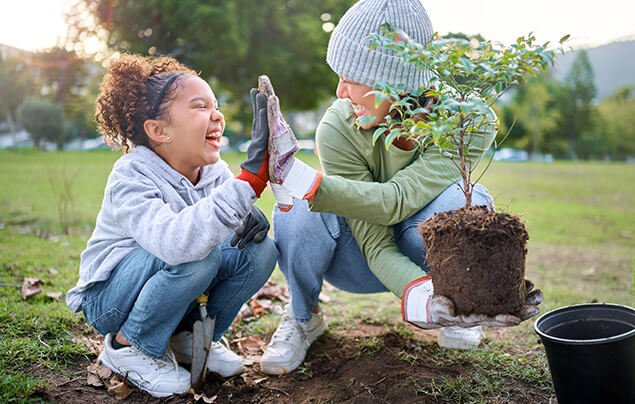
x=375 y=188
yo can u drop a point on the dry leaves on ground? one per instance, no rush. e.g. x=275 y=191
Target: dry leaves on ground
x=99 y=375
x=31 y=287
x=94 y=343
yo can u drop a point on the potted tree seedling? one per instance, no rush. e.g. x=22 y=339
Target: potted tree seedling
x=476 y=255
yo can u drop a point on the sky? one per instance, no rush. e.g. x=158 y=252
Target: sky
x=37 y=24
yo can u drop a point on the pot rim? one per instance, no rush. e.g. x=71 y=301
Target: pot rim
x=568 y=341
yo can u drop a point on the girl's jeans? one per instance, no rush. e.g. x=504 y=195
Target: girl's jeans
x=317 y=246
x=147 y=299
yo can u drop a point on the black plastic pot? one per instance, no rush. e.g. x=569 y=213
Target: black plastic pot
x=591 y=352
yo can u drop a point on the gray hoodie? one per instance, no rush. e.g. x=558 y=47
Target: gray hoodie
x=147 y=204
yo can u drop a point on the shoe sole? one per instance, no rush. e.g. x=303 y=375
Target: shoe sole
x=104 y=361
x=278 y=369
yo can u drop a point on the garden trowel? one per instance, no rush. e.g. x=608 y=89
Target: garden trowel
x=202 y=334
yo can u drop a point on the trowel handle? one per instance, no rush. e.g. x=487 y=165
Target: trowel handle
x=201 y=299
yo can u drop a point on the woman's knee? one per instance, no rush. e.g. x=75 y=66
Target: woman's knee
x=481 y=196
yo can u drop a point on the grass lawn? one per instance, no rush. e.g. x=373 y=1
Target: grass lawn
x=580 y=217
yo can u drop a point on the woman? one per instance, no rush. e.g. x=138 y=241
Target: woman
x=368 y=242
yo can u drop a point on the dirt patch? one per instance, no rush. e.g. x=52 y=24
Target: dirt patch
x=367 y=363
x=477 y=259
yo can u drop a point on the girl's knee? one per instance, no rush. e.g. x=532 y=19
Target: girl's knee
x=201 y=272
x=265 y=255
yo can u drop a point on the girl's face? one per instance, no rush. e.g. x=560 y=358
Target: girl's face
x=363 y=103
x=194 y=127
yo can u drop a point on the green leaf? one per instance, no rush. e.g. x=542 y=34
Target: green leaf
x=378 y=133
x=394 y=133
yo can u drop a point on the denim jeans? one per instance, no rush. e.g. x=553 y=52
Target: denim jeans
x=320 y=246
x=147 y=299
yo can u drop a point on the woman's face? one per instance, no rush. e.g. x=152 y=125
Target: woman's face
x=363 y=103
x=195 y=126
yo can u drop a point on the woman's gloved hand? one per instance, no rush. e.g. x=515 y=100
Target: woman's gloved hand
x=421 y=308
x=254 y=228
x=298 y=179
x=255 y=170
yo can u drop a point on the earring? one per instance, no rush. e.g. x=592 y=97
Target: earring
x=168 y=138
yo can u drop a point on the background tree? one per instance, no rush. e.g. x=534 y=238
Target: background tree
x=43 y=119
x=533 y=108
x=230 y=41
x=15 y=79
x=577 y=101
x=618 y=122
x=64 y=78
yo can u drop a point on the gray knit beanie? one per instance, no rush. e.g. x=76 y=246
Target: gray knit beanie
x=350 y=56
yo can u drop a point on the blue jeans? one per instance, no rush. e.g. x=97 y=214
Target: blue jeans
x=146 y=299
x=317 y=246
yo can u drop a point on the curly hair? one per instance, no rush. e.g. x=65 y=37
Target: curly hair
x=134 y=89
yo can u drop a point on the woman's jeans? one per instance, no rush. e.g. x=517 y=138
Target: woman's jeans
x=316 y=246
x=146 y=299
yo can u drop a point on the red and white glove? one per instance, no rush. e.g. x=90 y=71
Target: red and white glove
x=420 y=307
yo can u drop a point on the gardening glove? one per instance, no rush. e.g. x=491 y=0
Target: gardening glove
x=254 y=228
x=300 y=180
x=421 y=308
x=284 y=200
x=255 y=168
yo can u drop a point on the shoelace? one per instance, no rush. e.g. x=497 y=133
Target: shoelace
x=168 y=360
x=288 y=327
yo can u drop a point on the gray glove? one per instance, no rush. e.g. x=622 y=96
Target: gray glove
x=255 y=170
x=254 y=228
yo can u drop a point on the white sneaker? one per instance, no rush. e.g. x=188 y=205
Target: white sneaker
x=460 y=338
x=290 y=343
x=159 y=377
x=220 y=360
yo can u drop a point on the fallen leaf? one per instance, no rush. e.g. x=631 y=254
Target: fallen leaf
x=93 y=380
x=244 y=313
x=31 y=287
x=271 y=290
x=252 y=345
x=589 y=272
x=54 y=295
x=94 y=376
x=53 y=271
x=104 y=372
x=256 y=308
x=118 y=389
x=626 y=234
x=95 y=343
x=205 y=399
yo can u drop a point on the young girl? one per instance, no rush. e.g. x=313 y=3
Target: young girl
x=163 y=233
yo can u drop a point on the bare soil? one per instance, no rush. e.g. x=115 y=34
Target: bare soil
x=477 y=259
x=368 y=363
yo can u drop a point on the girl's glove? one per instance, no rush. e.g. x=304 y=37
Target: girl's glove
x=255 y=170
x=254 y=228
x=421 y=308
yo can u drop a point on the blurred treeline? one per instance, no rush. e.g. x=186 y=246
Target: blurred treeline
x=51 y=93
